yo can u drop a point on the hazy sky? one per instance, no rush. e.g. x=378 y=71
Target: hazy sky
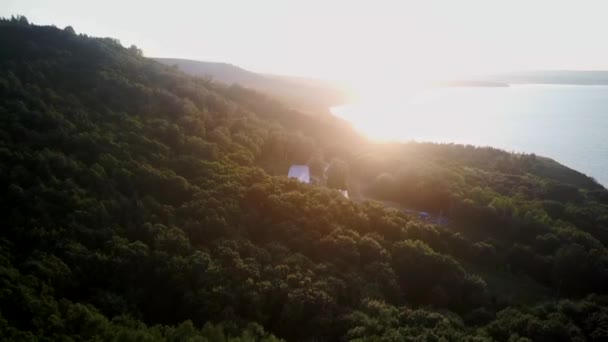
x=360 y=41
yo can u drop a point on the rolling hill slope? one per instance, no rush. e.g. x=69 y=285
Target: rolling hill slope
x=136 y=206
x=303 y=93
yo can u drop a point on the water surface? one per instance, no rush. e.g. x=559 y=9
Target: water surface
x=566 y=123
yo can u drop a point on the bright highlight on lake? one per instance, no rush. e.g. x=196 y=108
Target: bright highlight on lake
x=566 y=123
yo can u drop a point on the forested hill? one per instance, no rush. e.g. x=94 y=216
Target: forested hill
x=302 y=93
x=140 y=203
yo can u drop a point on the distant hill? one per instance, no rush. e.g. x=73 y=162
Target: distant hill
x=303 y=93
x=573 y=77
x=564 y=77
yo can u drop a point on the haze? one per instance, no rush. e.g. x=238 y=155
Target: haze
x=362 y=43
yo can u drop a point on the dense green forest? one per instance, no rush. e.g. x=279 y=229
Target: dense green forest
x=140 y=203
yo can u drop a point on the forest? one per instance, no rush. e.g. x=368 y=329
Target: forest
x=143 y=204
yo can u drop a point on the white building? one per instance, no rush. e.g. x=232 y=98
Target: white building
x=344 y=193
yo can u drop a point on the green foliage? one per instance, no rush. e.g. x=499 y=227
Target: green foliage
x=337 y=174
x=136 y=208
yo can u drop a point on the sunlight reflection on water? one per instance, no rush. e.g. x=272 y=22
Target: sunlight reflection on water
x=566 y=123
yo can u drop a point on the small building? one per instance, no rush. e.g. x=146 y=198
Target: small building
x=423 y=215
x=344 y=193
x=300 y=172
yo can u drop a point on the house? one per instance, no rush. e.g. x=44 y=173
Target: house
x=344 y=193
x=300 y=172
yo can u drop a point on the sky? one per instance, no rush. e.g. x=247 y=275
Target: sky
x=352 y=41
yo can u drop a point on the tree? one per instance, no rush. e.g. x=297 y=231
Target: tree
x=69 y=29
x=337 y=174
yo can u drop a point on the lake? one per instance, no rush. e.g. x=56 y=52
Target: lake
x=563 y=122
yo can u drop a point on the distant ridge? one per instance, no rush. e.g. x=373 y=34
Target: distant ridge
x=223 y=72
x=572 y=77
x=304 y=93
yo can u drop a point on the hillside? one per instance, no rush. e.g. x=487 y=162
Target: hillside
x=142 y=203
x=303 y=93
